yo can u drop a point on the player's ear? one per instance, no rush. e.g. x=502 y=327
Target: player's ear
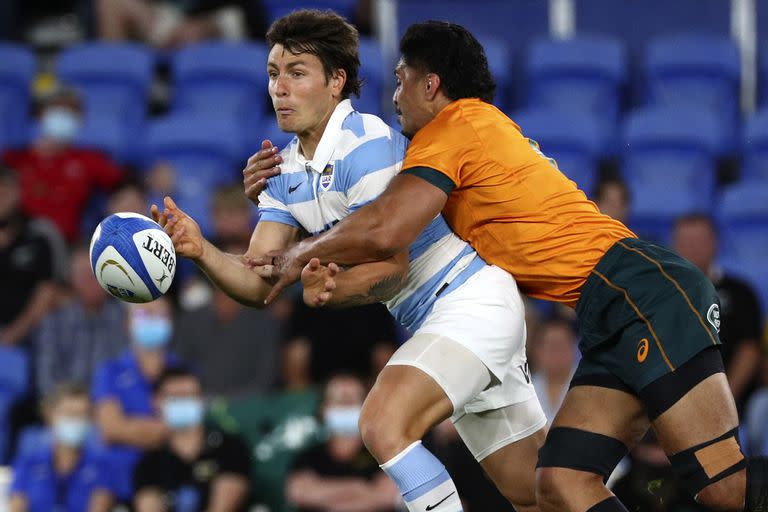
x=338 y=80
x=431 y=85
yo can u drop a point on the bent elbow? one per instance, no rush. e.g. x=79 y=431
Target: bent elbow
x=385 y=242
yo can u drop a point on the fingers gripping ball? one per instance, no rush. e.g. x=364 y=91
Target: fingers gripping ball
x=132 y=257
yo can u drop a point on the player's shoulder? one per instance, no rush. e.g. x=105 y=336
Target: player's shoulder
x=360 y=129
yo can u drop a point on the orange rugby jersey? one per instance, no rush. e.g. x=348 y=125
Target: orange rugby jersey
x=511 y=202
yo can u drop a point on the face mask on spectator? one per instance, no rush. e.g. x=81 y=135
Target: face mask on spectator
x=60 y=124
x=151 y=332
x=71 y=431
x=181 y=413
x=342 y=421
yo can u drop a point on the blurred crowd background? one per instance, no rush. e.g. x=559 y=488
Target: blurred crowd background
x=657 y=109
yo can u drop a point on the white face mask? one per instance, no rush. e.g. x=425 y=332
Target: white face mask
x=60 y=124
x=71 y=431
x=342 y=421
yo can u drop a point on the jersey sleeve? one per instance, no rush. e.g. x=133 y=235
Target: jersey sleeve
x=440 y=150
x=102 y=386
x=370 y=167
x=272 y=205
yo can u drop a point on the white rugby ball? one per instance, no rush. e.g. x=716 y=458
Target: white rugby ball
x=132 y=257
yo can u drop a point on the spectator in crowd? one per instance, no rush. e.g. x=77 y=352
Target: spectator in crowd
x=31 y=253
x=174 y=23
x=65 y=475
x=231 y=216
x=340 y=474
x=214 y=338
x=74 y=339
x=56 y=178
x=336 y=349
x=198 y=468
x=160 y=181
x=554 y=359
x=296 y=365
x=612 y=197
x=129 y=196
x=122 y=391
x=738 y=317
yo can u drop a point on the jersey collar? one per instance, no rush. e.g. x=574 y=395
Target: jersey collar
x=329 y=140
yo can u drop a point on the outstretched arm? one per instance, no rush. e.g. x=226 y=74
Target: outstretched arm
x=363 y=284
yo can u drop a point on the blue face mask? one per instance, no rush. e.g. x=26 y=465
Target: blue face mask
x=342 y=421
x=181 y=413
x=151 y=332
x=60 y=124
x=71 y=431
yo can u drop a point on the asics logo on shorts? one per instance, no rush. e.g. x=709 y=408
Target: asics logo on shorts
x=642 y=350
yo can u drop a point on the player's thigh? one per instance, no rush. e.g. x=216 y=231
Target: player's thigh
x=506 y=442
x=425 y=380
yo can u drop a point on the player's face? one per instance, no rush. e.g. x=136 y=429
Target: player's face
x=410 y=99
x=302 y=96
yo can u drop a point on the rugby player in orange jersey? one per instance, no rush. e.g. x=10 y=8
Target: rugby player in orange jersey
x=649 y=319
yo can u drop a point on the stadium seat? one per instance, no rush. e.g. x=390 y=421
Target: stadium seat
x=17 y=69
x=668 y=157
x=279 y=8
x=488 y=19
x=109 y=135
x=699 y=71
x=220 y=78
x=114 y=79
x=584 y=74
x=205 y=150
x=575 y=140
x=372 y=72
x=14 y=382
x=755 y=148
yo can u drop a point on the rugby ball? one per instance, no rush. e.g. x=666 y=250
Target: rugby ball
x=132 y=257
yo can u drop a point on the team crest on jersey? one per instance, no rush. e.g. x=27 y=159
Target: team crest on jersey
x=713 y=316
x=326 y=178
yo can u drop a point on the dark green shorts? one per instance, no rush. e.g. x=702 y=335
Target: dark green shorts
x=644 y=311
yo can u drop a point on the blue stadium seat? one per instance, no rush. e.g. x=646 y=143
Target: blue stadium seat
x=372 y=72
x=279 y=8
x=109 y=135
x=585 y=74
x=17 y=69
x=14 y=382
x=669 y=156
x=487 y=19
x=637 y=22
x=114 y=79
x=220 y=78
x=699 y=71
x=575 y=140
x=204 y=150
x=755 y=148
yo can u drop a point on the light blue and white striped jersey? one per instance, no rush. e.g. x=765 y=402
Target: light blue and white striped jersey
x=355 y=159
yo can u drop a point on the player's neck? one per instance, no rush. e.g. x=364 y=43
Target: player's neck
x=309 y=139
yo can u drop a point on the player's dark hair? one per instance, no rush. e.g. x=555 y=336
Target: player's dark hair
x=326 y=35
x=173 y=372
x=452 y=52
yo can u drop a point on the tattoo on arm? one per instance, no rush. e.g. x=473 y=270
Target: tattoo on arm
x=382 y=290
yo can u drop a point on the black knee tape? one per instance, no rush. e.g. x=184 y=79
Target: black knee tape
x=709 y=462
x=581 y=450
x=756 y=499
x=664 y=392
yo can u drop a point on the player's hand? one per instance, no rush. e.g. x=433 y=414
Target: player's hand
x=184 y=231
x=281 y=268
x=319 y=282
x=261 y=166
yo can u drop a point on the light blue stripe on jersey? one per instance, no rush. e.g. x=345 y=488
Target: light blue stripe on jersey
x=367 y=154
x=415 y=309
